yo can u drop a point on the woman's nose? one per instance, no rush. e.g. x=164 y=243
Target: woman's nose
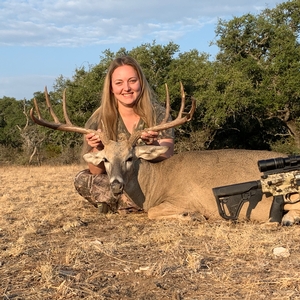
x=127 y=86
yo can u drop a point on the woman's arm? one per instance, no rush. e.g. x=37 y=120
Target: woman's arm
x=150 y=138
x=165 y=142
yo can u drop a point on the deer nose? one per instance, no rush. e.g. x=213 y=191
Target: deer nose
x=116 y=187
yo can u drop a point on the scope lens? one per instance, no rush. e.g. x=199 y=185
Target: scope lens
x=278 y=163
x=271 y=164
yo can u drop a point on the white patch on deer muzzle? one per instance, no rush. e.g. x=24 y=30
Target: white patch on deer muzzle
x=116 y=179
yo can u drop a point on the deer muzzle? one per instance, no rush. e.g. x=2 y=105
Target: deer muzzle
x=116 y=187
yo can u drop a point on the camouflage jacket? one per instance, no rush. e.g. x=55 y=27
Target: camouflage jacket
x=160 y=114
x=121 y=128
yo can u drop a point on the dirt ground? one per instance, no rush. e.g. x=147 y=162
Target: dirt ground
x=54 y=245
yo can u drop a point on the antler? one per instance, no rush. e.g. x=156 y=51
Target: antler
x=164 y=124
x=57 y=125
x=68 y=126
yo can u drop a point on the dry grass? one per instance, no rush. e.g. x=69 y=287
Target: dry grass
x=54 y=245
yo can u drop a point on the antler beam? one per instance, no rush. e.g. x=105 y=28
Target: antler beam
x=57 y=125
x=176 y=122
x=180 y=119
x=68 y=126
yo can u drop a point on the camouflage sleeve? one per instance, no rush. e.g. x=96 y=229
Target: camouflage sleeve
x=160 y=114
x=91 y=124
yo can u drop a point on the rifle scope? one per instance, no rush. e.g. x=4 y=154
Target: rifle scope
x=278 y=163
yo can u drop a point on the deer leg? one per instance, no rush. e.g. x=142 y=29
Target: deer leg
x=166 y=210
x=293 y=213
x=291 y=217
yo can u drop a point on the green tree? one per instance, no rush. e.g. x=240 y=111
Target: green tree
x=155 y=61
x=257 y=70
x=194 y=70
x=248 y=97
x=10 y=116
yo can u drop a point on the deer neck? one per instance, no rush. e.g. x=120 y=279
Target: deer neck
x=133 y=188
x=142 y=184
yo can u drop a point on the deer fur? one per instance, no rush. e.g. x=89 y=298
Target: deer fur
x=182 y=185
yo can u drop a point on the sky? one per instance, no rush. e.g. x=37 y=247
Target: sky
x=43 y=39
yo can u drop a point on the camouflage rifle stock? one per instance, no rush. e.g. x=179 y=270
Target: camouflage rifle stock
x=281 y=178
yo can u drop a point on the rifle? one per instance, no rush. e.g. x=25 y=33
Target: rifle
x=281 y=178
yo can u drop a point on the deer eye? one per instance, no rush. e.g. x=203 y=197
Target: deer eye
x=129 y=159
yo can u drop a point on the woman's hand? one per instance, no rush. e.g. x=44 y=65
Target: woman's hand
x=149 y=137
x=94 y=141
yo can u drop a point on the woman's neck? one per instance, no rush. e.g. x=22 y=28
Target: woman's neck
x=126 y=112
x=129 y=117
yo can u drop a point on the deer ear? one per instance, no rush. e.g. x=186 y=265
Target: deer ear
x=94 y=158
x=150 y=152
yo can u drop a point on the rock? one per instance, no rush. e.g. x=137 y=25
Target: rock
x=281 y=252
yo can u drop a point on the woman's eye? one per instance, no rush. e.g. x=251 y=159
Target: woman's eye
x=133 y=81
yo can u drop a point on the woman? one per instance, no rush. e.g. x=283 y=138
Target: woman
x=127 y=104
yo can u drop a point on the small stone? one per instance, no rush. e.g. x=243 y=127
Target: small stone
x=281 y=252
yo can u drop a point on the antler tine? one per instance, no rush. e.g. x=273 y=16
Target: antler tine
x=137 y=134
x=168 y=106
x=65 y=109
x=182 y=99
x=57 y=125
x=36 y=108
x=103 y=135
x=50 y=107
x=180 y=119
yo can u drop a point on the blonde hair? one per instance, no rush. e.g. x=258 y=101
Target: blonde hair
x=106 y=116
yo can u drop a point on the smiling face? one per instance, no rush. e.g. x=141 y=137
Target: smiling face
x=126 y=85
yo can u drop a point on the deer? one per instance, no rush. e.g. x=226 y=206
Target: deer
x=178 y=187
